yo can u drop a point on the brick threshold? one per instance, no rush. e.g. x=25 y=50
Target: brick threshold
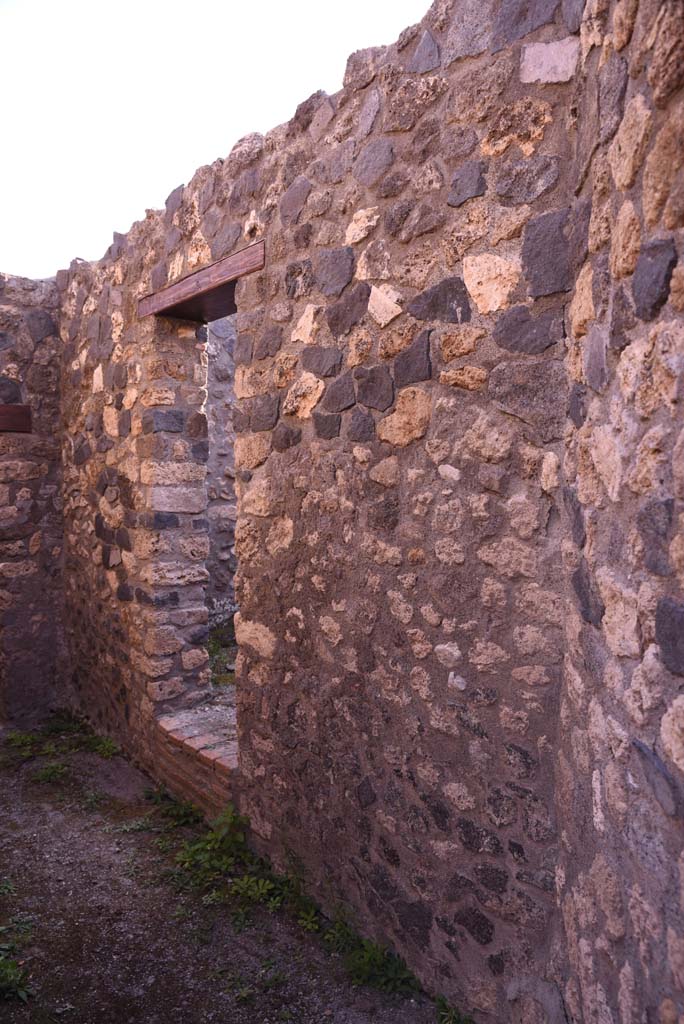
x=196 y=755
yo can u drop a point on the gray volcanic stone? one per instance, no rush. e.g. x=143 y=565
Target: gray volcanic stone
x=476 y=924
x=577 y=406
x=523 y=181
x=285 y=437
x=242 y=354
x=534 y=392
x=40 y=325
x=10 y=391
x=426 y=56
x=334 y=270
x=621 y=320
x=348 y=310
x=591 y=605
x=326 y=427
x=468 y=181
x=572 y=14
x=517 y=330
x=374 y=160
x=477 y=839
x=339 y=394
x=269 y=342
x=324 y=362
x=225 y=239
x=413 y=364
x=446 y=301
x=517 y=18
x=264 y=413
x=292 y=202
x=594 y=358
x=361 y=426
x=651 y=281
x=298 y=279
x=458 y=142
x=171 y=420
x=669 y=633
x=392 y=185
x=471 y=30
x=654 y=523
x=612 y=88
x=374 y=387
x=546 y=254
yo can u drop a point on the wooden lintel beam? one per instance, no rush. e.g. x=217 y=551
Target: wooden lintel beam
x=15 y=419
x=193 y=295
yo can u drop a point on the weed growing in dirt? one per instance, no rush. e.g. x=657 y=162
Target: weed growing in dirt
x=7 y=887
x=446 y=1014
x=221 y=650
x=50 y=773
x=177 y=812
x=13 y=978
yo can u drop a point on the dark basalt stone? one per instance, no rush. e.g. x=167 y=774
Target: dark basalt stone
x=285 y=437
x=264 y=413
x=384 y=514
x=326 y=427
x=426 y=56
x=361 y=426
x=40 y=325
x=170 y=420
x=612 y=87
x=374 y=160
x=534 y=392
x=468 y=181
x=413 y=363
x=546 y=254
x=651 y=281
x=621 y=320
x=577 y=406
x=10 y=391
x=242 y=353
x=324 y=362
x=334 y=270
x=348 y=310
x=158 y=275
x=594 y=358
x=125 y=423
x=662 y=782
x=298 y=279
x=446 y=301
x=458 y=142
x=225 y=240
x=424 y=219
x=415 y=919
x=517 y=18
x=477 y=839
x=572 y=14
x=517 y=330
x=268 y=343
x=492 y=878
x=240 y=420
x=476 y=924
x=292 y=202
x=397 y=215
x=590 y=603
x=339 y=394
x=392 y=185
x=669 y=633
x=365 y=794
x=522 y=762
x=523 y=181
x=374 y=387
x=576 y=515
x=654 y=523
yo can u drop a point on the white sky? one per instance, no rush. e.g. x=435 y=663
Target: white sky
x=107 y=107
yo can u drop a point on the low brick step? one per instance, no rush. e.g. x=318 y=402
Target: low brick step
x=197 y=755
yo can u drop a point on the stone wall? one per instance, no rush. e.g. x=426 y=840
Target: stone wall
x=221 y=470
x=30 y=502
x=459 y=474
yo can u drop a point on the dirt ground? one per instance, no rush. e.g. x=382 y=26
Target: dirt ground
x=107 y=938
